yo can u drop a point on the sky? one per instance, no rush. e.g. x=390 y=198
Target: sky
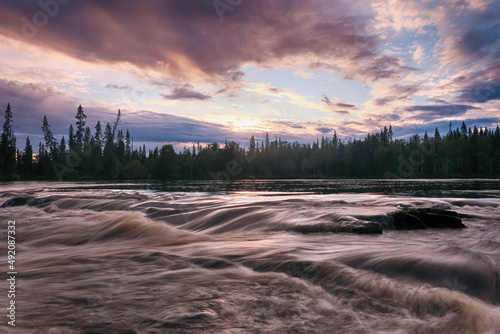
x=190 y=71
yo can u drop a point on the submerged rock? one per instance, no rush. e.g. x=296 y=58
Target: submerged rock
x=403 y=220
x=425 y=218
x=17 y=201
x=358 y=226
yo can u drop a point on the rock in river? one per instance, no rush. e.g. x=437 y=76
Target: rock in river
x=425 y=218
x=355 y=226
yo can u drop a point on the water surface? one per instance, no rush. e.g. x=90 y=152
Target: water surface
x=219 y=257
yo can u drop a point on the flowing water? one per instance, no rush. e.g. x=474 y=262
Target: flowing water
x=214 y=257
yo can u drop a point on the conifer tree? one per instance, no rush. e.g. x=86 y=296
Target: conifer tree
x=28 y=160
x=48 y=136
x=8 y=147
x=80 y=128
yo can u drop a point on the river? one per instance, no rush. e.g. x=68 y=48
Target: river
x=237 y=257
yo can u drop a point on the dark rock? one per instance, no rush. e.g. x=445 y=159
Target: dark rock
x=425 y=218
x=357 y=226
x=360 y=227
x=440 y=218
x=17 y=201
x=407 y=221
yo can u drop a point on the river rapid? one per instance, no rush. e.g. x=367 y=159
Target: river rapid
x=249 y=257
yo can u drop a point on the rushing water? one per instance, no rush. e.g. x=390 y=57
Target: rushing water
x=212 y=257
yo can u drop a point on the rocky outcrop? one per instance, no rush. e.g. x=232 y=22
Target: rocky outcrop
x=17 y=201
x=358 y=226
x=424 y=218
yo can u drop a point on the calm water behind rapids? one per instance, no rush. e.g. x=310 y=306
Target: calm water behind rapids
x=210 y=257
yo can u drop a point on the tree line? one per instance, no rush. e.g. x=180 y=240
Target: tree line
x=108 y=153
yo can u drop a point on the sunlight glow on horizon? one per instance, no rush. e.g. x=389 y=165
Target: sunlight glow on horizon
x=358 y=69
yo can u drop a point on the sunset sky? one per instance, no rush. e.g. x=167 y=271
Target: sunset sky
x=203 y=71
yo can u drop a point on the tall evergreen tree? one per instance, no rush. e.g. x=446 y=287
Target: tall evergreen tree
x=62 y=150
x=71 y=138
x=48 y=136
x=98 y=134
x=8 y=147
x=115 y=125
x=28 y=160
x=463 y=130
x=80 y=128
x=128 y=145
x=109 y=139
x=120 y=146
x=251 y=149
x=86 y=139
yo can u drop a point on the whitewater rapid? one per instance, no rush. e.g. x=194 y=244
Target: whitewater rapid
x=129 y=258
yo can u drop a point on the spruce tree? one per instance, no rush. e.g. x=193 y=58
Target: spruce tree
x=109 y=139
x=80 y=128
x=98 y=136
x=28 y=160
x=128 y=145
x=71 y=138
x=8 y=147
x=48 y=136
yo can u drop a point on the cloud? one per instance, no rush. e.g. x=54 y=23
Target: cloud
x=324 y=130
x=443 y=126
x=386 y=94
x=186 y=93
x=334 y=105
x=382 y=101
x=463 y=37
x=186 y=40
x=288 y=124
x=113 y=86
x=276 y=91
x=342 y=112
x=303 y=74
x=469 y=47
x=325 y=99
x=439 y=111
x=30 y=102
x=159 y=127
x=418 y=54
x=183 y=49
x=345 y=105
x=480 y=92
x=479 y=40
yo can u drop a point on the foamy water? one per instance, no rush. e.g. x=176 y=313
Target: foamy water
x=143 y=258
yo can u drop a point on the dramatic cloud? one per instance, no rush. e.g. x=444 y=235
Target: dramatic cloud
x=187 y=38
x=154 y=127
x=251 y=66
x=439 y=111
x=480 y=92
x=30 y=102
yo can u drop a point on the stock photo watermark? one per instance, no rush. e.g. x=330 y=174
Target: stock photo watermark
x=11 y=273
x=48 y=9
x=224 y=6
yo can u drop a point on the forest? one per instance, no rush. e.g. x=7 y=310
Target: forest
x=107 y=152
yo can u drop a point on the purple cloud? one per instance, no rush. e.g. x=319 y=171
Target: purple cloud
x=428 y=113
x=334 y=105
x=186 y=38
x=186 y=93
